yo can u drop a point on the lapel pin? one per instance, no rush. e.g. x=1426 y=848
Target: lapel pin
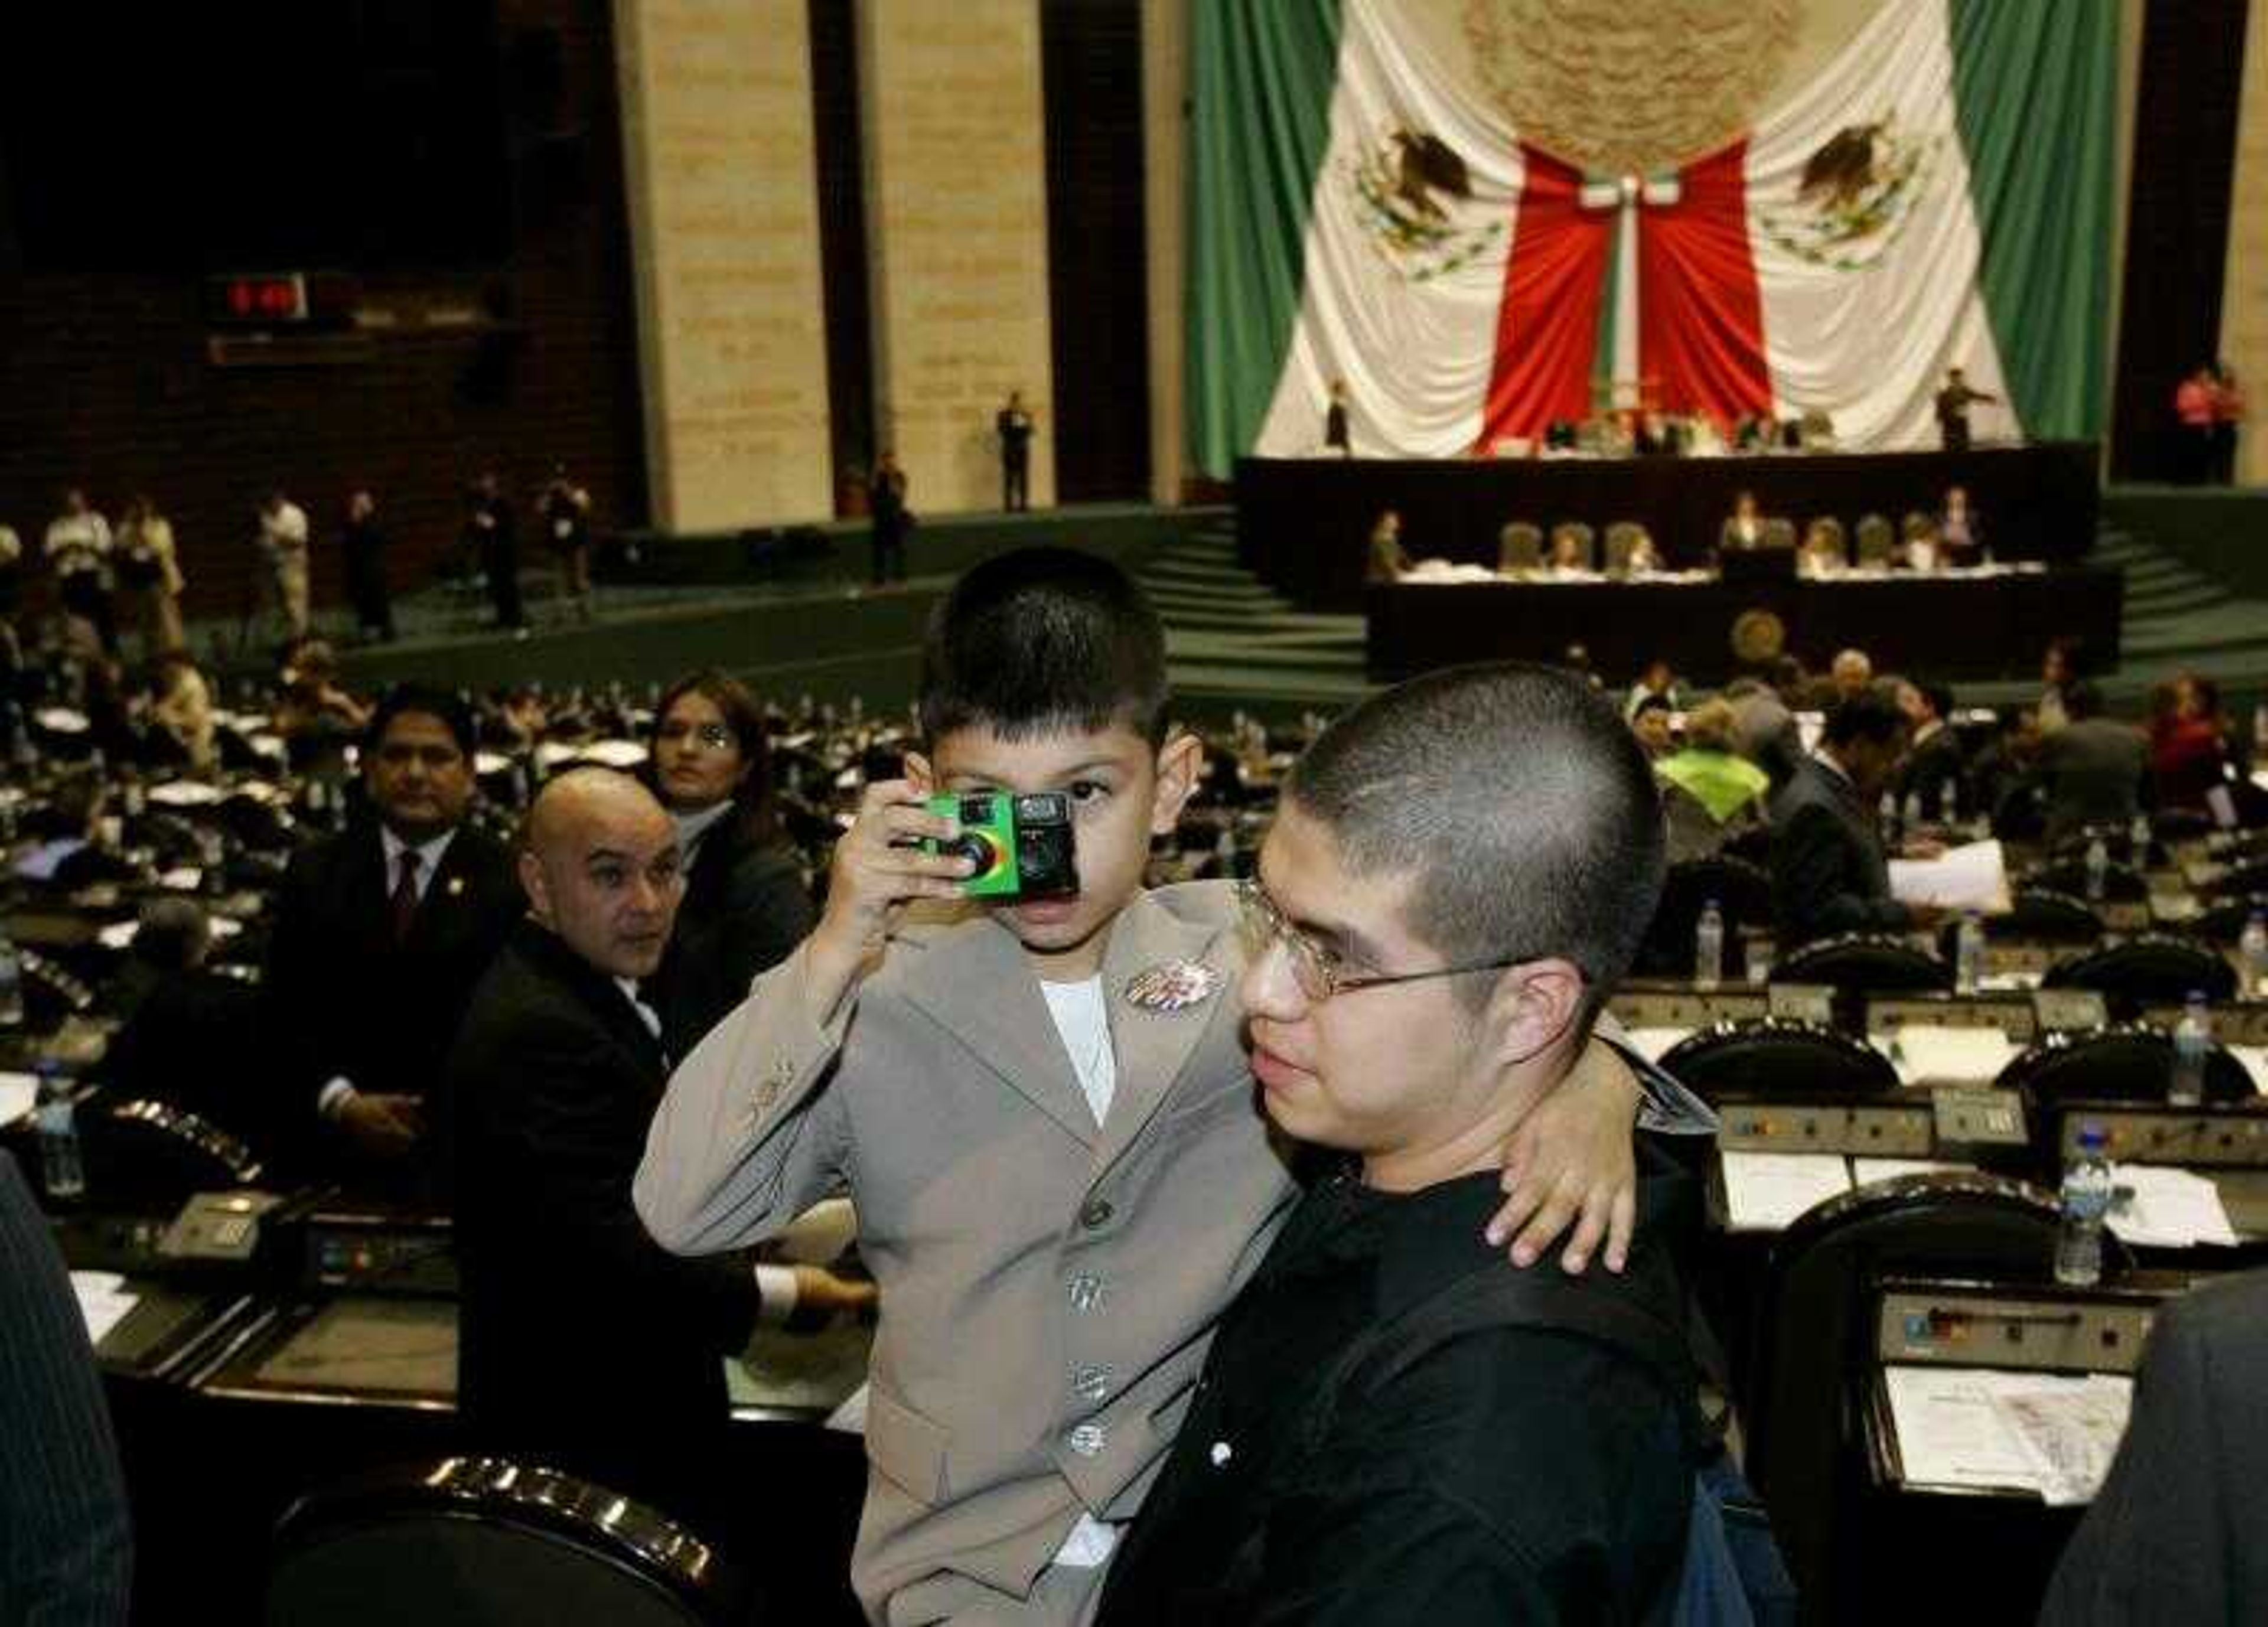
x=1173 y=986
x=456 y=886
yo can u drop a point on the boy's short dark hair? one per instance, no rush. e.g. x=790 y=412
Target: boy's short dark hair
x=1044 y=639
x=1867 y=717
x=1516 y=800
x=450 y=711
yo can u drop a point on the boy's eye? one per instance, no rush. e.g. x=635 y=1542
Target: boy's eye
x=1087 y=790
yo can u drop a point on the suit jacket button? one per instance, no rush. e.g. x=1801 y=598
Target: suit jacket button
x=1095 y=1213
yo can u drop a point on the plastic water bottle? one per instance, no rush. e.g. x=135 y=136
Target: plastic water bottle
x=62 y=1172
x=2252 y=954
x=1709 y=947
x=2192 y=1045
x=1912 y=812
x=2085 y=1202
x=1968 y=955
x=1887 y=811
x=1948 y=804
x=2138 y=837
x=2098 y=870
x=11 y=985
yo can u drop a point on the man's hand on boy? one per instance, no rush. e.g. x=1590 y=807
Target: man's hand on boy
x=879 y=868
x=1573 y=1162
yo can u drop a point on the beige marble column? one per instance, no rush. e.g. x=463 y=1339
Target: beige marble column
x=2244 y=289
x=716 y=128
x=953 y=118
x=1165 y=197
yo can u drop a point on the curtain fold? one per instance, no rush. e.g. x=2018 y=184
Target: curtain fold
x=1701 y=329
x=1548 y=324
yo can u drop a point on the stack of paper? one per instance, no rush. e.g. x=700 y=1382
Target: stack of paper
x=2161 y=1206
x=2051 y=1434
x=2254 y=1058
x=1925 y=1054
x=1766 y=1191
x=1974 y=877
x=17 y=1092
x=102 y=1299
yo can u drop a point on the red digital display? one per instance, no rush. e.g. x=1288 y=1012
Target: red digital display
x=259 y=300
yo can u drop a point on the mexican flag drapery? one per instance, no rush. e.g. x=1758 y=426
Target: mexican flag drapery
x=1938 y=194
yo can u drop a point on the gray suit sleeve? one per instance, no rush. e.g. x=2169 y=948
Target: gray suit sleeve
x=1664 y=1105
x=2155 y=1545
x=750 y=1133
x=66 y=1552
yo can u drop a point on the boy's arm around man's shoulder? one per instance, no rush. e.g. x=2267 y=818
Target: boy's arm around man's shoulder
x=748 y=1134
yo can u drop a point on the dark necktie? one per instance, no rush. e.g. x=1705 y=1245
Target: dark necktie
x=405 y=897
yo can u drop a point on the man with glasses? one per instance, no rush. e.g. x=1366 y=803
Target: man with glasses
x=1432 y=940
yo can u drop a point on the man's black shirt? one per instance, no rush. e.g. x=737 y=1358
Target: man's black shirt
x=1509 y=1475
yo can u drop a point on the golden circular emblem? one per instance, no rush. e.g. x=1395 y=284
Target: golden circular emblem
x=1758 y=636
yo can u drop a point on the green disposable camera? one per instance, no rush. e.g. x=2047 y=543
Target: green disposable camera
x=1020 y=845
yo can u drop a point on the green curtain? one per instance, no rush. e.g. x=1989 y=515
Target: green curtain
x=2036 y=87
x=1261 y=75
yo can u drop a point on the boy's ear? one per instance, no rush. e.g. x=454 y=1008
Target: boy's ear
x=1179 y=759
x=1533 y=1006
x=919 y=773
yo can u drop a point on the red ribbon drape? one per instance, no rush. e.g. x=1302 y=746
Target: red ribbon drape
x=1547 y=326
x=1701 y=325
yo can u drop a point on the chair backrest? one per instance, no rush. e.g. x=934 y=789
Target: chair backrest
x=2045 y=916
x=150 y=1156
x=2124 y=1062
x=1779 y=532
x=2152 y=969
x=1622 y=538
x=1779 y=1058
x=1916 y=526
x=1876 y=542
x=2246 y=879
x=2121 y=883
x=1519 y=547
x=1743 y=894
x=1866 y=961
x=1814 y=1339
x=492 y=1542
x=2224 y=922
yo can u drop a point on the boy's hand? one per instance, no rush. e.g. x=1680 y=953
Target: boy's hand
x=879 y=868
x=1572 y=1161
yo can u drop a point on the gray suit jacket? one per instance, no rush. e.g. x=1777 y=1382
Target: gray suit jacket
x=2093 y=771
x=1049 y=1286
x=2174 y=1534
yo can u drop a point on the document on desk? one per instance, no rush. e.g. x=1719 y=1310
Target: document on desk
x=17 y=1092
x=2254 y=1058
x=1654 y=1043
x=1766 y=1191
x=1971 y=877
x=102 y=1300
x=1925 y=1054
x=2051 y=1434
x=2161 y=1206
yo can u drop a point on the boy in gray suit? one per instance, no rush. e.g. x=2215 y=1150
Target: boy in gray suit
x=1044 y=1112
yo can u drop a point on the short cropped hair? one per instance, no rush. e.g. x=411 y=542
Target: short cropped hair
x=450 y=711
x=1043 y=640
x=1516 y=800
x=1939 y=697
x=1866 y=716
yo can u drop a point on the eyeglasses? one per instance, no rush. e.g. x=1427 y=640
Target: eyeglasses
x=715 y=736
x=1321 y=971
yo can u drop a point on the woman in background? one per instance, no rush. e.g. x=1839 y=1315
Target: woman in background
x=747 y=905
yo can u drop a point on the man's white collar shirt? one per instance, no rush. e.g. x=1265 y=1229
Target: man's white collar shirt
x=429 y=858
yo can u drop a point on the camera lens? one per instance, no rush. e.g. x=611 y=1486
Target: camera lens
x=980 y=852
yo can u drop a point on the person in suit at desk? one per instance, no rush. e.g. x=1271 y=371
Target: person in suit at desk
x=2092 y=769
x=2174 y=1534
x=581 y=1341
x=1744 y=527
x=380 y=932
x=182 y=1026
x=1828 y=872
x=746 y=903
x=66 y=1542
x=1959 y=528
x=1933 y=761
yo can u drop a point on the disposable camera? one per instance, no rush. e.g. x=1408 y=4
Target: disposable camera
x=1020 y=845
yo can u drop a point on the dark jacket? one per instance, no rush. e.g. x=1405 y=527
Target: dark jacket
x=580 y=1338
x=66 y=1552
x=1929 y=767
x=746 y=908
x=343 y=998
x=1829 y=872
x=2174 y=1534
x=183 y=1041
x=1508 y=1475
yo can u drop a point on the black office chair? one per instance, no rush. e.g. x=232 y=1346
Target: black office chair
x=484 y=1542
x=2224 y=922
x=1778 y=1056
x=1742 y=892
x=1871 y=960
x=1805 y=1453
x=2243 y=879
x=2151 y=968
x=2039 y=915
x=1519 y=547
x=149 y=1157
x=2124 y=1062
